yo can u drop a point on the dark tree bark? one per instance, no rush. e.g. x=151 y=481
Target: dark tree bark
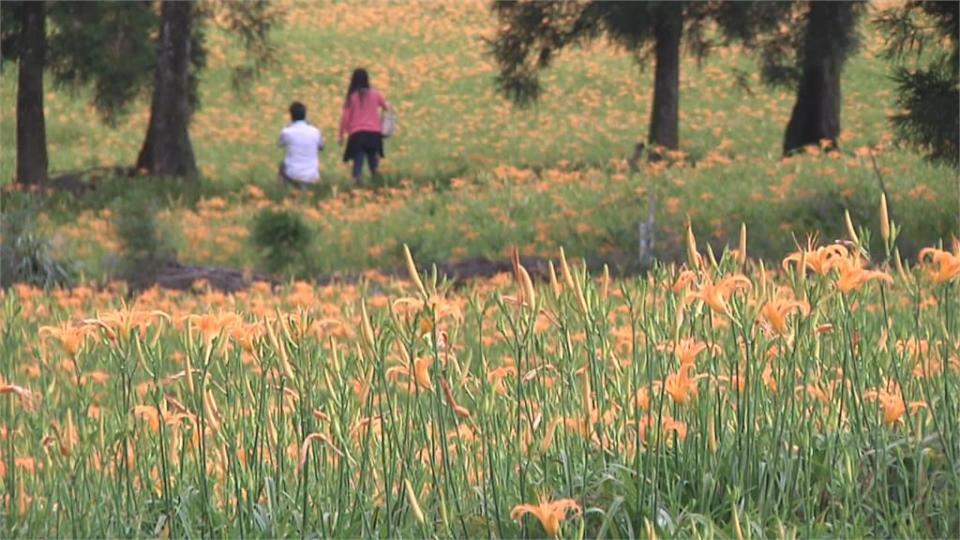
x=31 y=128
x=816 y=113
x=167 y=150
x=664 y=118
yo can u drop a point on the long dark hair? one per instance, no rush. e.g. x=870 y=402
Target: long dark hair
x=359 y=81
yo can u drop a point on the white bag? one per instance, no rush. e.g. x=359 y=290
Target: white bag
x=388 y=124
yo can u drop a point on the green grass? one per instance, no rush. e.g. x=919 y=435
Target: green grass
x=456 y=131
x=595 y=106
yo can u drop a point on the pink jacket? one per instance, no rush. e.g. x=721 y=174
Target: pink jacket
x=362 y=112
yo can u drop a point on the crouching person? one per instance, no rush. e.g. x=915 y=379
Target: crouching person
x=303 y=144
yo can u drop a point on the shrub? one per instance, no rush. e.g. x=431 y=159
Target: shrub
x=281 y=237
x=25 y=252
x=143 y=246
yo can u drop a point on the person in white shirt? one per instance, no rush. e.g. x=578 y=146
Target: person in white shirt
x=303 y=143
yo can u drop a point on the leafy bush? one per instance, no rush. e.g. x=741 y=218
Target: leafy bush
x=25 y=252
x=143 y=245
x=281 y=238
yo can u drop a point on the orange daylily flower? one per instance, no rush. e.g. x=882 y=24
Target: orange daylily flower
x=361 y=386
x=775 y=313
x=685 y=278
x=152 y=416
x=768 y=378
x=305 y=447
x=27 y=398
x=820 y=260
x=947 y=264
x=688 y=349
x=419 y=374
x=681 y=386
x=148 y=414
x=95 y=377
x=667 y=423
x=716 y=295
x=853 y=276
x=549 y=513
x=892 y=405
x=582 y=425
x=211 y=325
x=641 y=399
x=246 y=335
x=71 y=338
x=495 y=378
x=27 y=463
x=123 y=322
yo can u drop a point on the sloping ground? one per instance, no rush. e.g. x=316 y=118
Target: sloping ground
x=176 y=276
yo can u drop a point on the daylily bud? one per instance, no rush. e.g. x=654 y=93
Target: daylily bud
x=736 y=523
x=899 y=263
x=742 y=248
x=884 y=219
x=188 y=369
x=693 y=257
x=850 y=230
x=412 y=270
x=365 y=325
x=412 y=500
x=605 y=289
x=711 y=256
x=573 y=283
x=763 y=278
x=528 y=292
x=554 y=284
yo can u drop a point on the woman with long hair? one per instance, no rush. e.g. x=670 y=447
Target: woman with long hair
x=360 y=121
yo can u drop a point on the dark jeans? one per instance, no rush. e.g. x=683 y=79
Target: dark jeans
x=372 y=159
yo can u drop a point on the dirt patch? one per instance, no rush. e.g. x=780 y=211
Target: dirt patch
x=173 y=275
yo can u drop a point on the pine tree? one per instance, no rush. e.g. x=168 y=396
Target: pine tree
x=929 y=91
x=804 y=46
x=109 y=47
x=829 y=39
x=167 y=150
x=531 y=33
x=180 y=57
x=99 y=44
x=31 y=127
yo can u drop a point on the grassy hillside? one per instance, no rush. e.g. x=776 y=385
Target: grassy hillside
x=432 y=65
x=486 y=163
x=714 y=400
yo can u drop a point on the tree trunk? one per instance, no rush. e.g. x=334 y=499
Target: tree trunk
x=167 y=150
x=31 y=128
x=816 y=113
x=664 y=118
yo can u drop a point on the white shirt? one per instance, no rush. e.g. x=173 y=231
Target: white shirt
x=303 y=143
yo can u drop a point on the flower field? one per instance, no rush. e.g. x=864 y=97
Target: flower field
x=790 y=386
x=717 y=398
x=466 y=160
